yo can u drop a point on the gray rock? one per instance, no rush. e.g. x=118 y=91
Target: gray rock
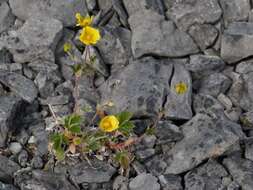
x=246 y=101
x=37 y=162
x=241 y=170
x=247 y=120
x=156 y=165
x=142 y=155
x=186 y=13
x=204 y=137
x=234 y=10
x=41 y=31
x=133 y=6
x=15 y=147
x=178 y=106
x=7 y=187
x=138 y=167
x=99 y=172
x=249 y=148
x=167 y=132
x=6 y=17
x=91 y=4
x=144 y=181
x=151 y=34
x=236 y=42
x=115 y=46
x=23 y=158
x=63 y=10
x=13 y=67
x=96 y=62
x=204 y=65
x=139 y=87
x=120 y=183
x=170 y=182
x=56 y=100
x=244 y=67
x=206 y=177
x=43 y=180
x=233 y=186
x=204 y=35
x=214 y=84
x=20 y=85
x=10 y=107
x=7 y=169
x=119 y=8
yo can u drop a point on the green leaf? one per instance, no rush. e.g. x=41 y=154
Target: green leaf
x=123 y=159
x=60 y=154
x=124 y=117
x=77 y=68
x=73 y=121
x=150 y=131
x=57 y=141
x=75 y=129
x=127 y=128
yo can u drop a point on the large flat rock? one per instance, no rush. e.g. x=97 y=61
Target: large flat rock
x=151 y=34
x=204 y=137
x=140 y=87
x=63 y=10
x=237 y=42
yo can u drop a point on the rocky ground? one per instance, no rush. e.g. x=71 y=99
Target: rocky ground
x=205 y=139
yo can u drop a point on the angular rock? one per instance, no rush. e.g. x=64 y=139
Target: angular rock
x=6 y=17
x=139 y=87
x=10 y=106
x=41 y=31
x=246 y=100
x=244 y=67
x=120 y=183
x=63 y=10
x=156 y=165
x=151 y=34
x=236 y=42
x=144 y=181
x=214 y=84
x=7 y=169
x=170 y=182
x=133 y=6
x=247 y=120
x=97 y=62
x=15 y=147
x=115 y=46
x=204 y=65
x=234 y=10
x=20 y=85
x=208 y=177
x=119 y=8
x=99 y=172
x=186 y=13
x=178 y=106
x=249 y=148
x=43 y=180
x=204 y=137
x=241 y=170
x=167 y=132
x=7 y=187
x=204 y=35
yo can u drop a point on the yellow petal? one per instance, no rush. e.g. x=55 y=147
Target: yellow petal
x=181 y=88
x=90 y=35
x=109 y=123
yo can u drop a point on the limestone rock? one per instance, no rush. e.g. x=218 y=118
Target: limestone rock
x=186 y=13
x=151 y=34
x=236 y=42
x=204 y=137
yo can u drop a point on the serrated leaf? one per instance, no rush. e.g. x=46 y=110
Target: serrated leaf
x=75 y=129
x=124 y=117
x=127 y=128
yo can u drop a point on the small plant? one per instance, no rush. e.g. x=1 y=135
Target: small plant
x=73 y=136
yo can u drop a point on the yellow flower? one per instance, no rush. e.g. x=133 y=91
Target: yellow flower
x=89 y=35
x=83 y=21
x=181 y=88
x=109 y=123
